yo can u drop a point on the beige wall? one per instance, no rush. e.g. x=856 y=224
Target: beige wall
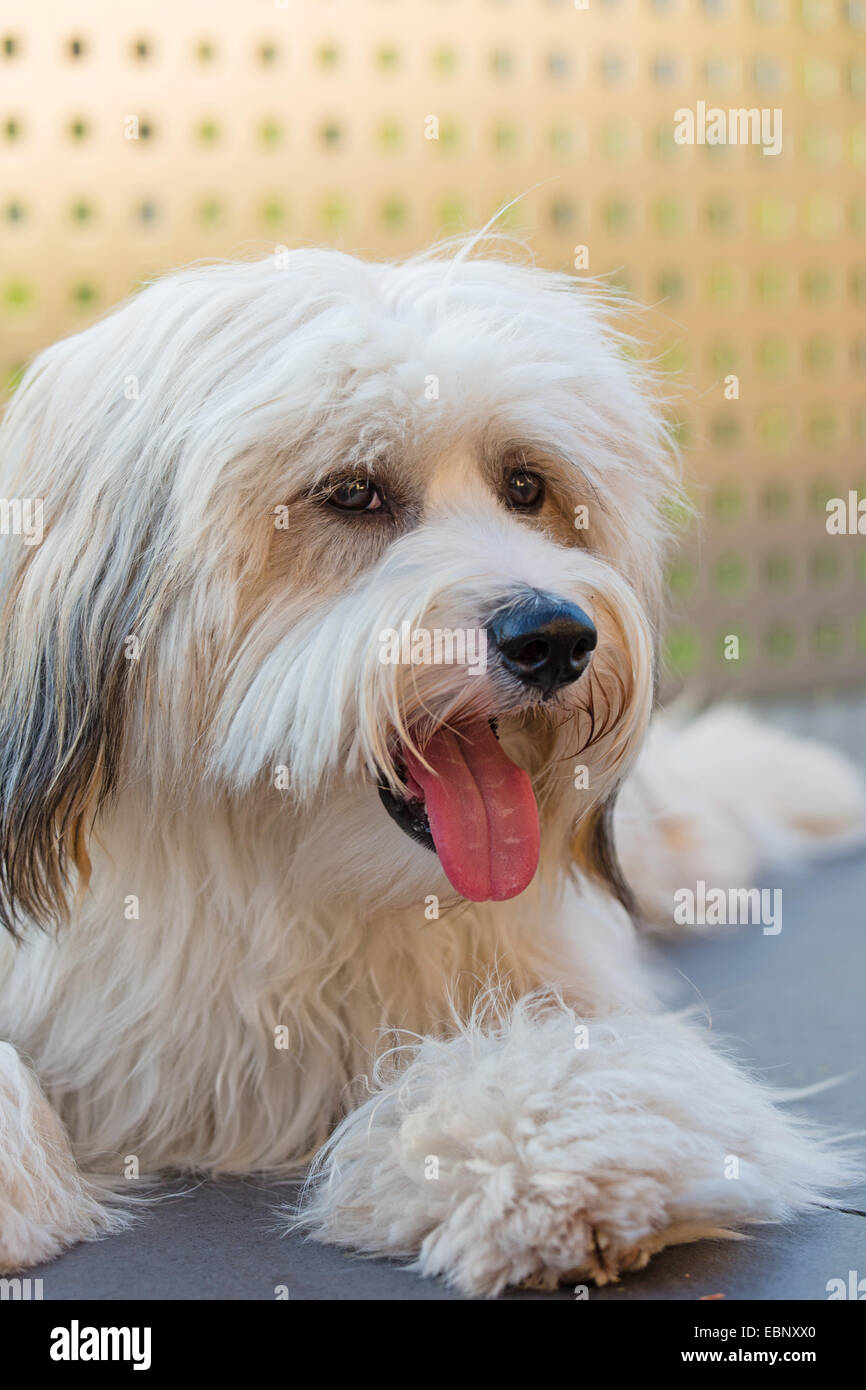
x=266 y=125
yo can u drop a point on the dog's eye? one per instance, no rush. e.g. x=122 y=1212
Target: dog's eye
x=359 y=495
x=524 y=489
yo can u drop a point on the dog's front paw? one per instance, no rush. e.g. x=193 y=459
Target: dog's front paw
x=46 y=1204
x=567 y=1223
x=604 y=1259
x=605 y=1256
x=509 y=1156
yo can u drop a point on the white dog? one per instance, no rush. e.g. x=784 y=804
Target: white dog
x=262 y=820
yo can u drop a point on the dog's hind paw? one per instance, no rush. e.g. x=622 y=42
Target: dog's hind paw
x=725 y=796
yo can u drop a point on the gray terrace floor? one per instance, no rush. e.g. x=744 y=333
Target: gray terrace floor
x=798 y=1014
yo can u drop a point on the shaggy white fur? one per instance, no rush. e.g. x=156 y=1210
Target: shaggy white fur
x=215 y=925
x=45 y=1202
x=508 y=1153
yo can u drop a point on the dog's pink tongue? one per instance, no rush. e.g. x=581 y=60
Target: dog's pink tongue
x=482 y=812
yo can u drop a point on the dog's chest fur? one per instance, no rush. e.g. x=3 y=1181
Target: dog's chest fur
x=228 y=1018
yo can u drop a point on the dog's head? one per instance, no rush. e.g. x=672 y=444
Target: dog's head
x=375 y=547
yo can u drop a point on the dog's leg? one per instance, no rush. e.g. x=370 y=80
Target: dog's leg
x=535 y=1151
x=725 y=796
x=46 y=1203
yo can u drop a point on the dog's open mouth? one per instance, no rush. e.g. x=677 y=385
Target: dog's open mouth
x=470 y=804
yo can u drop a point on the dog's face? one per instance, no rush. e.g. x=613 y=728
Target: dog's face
x=373 y=547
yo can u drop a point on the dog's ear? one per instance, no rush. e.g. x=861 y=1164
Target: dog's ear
x=75 y=594
x=595 y=853
x=62 y=702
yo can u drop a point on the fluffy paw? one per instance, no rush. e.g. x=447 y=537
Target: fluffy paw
x=606 y=1258
x=508 y=1155
x=726 y=795
x=45 y=1202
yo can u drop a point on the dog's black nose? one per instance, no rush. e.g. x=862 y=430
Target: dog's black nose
x=543 y=640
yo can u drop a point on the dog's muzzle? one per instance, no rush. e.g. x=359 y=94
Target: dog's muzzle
x=463 y=796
